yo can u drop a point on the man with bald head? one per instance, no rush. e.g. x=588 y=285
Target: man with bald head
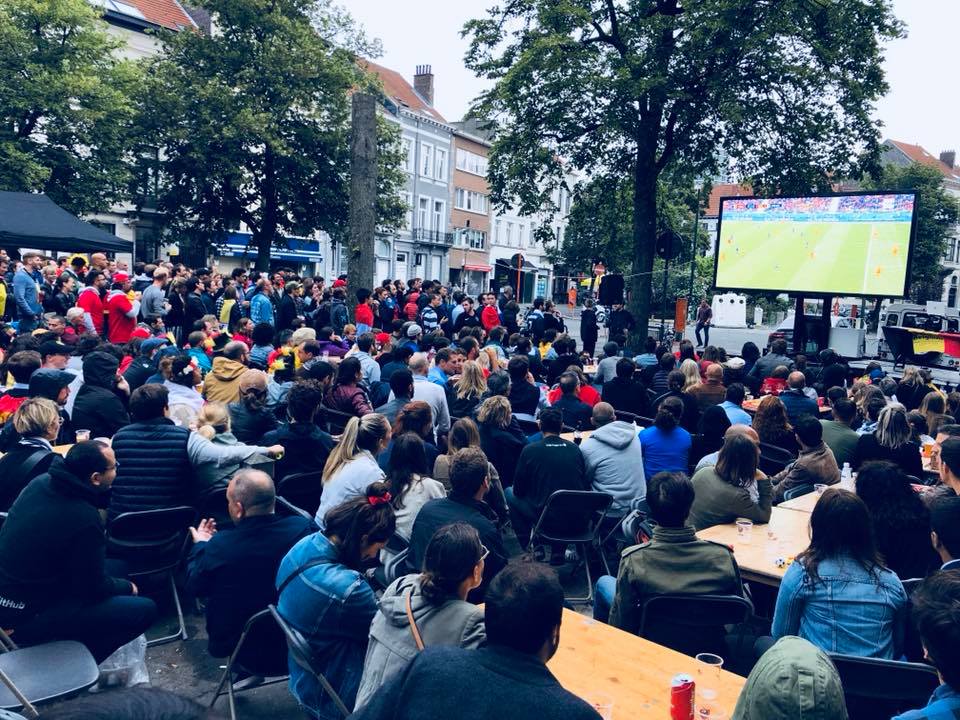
x=711 y=391
x=732 y=431
x=431 y=393
x=236 y=569
x=614 y=458
x=796 y=400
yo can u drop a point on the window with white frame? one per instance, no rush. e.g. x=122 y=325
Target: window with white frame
x=440 y=164
x=520 y=235
x=423 y=213
x=471 y=201
x=408 y=201
x=509 y=234
x=496 y=232
x=438 y=224
x=407 y=144
x=470 y=238
x=426 y=160
x=471 y=162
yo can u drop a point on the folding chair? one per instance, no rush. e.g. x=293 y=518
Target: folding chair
x=152 y=542
x=875 y=688
x=773 y=459
x=798 y=491
x=302 y=655
x=529 y=427
x=684 y=622
x=572 y=517
x=213 y=504
x=42 y=673
x=269 y=662
x=303 y=490
x=288 y=509
x=335 y=420
x=627 y=417
x=911 y=584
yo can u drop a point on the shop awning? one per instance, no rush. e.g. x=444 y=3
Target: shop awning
x=297 y=250
x=32 y=220
x=478 y=268
x=512 y=265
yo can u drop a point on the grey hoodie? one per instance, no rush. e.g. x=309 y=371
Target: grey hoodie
x=614 y=463
x=454 y=623
x=792 y=681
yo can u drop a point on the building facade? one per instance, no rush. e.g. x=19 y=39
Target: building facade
x=470 y=267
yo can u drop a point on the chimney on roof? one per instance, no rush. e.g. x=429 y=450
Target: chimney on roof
x=423 y=83
x=949 y=158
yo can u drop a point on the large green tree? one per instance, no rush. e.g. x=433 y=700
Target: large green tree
x=639 y=87
x=65 y=104
x=252 y=123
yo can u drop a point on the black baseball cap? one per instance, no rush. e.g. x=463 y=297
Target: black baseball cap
x=52 y=347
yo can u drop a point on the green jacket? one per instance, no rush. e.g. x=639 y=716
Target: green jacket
x=718 y=502
x=793 y=680
x=674 y=561
x=841 y=440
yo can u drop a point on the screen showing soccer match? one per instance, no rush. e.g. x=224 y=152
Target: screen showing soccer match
x=837 y=245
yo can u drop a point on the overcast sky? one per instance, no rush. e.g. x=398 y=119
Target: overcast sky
x=923 y=105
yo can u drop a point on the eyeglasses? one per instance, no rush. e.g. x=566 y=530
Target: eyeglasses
x=483 y=552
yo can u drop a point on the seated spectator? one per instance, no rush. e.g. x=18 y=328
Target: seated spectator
x=331 y=344
x=398 y=361
x=470 y=482
x=465 y=393
x=674 y=561
x=435 y=600
x=262 y=338
x=790 y=679
x=691 y=411
x=667 y=365
x=416 y=418
x=691 y=374
x=347 y=395
x=795 y=399
x=408 y=477
x=371 y=370
x=772 y=426
x=37 y=423
x=182 y=378
x=732 y=488
x=501 y=438
x=545 y=466
x=20 y=365
x=215 y=425
x=279 y=383
x=777 y=382
x=833 y=372
x=430 y=393
x=101 y=404
x=624 y=393
x=607 y=367
x=524 y=394
x=711 y=391
x=764 y=366
x=586 y=393
x=733 y=405
x=918 y=429
x=890 y=441
x=666 y=445
x=837 y=593
x=447 y=364
x=888 y=386
x=322 y=578
x=144 y=364
x=464 y=434
x=912 y=389
x=53 y=577
x=945 y=529
x=352 y=465
x=837 y=433
x=222 y=383
x=732 y=431
x=714 y=423
x=949 y=463
x=49 y=384
x=508 y=676
x=236 y=571
x=249 y=416
x=576 y=414
x=870 y=406
x=613 y=458
x=306 y=446
x=933 y=408
x=566 y=356
x=901 y=520
x=648 y=357
x=198 y=352
x=401 y=390
x=815 y=465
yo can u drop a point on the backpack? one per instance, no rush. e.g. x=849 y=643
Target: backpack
x=338 y=317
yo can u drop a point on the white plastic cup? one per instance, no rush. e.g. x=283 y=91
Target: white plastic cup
x=82 y=435
x=744 y=530
x=819 y=488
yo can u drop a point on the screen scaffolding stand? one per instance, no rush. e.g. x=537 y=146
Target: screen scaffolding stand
x=799 y=326
x=818 y=327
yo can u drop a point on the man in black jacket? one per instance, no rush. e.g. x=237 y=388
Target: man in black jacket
x=101 y=404
x=524 y=396
x=470 y=481
x=306 y=446
x=54 y=583
x=625 y=393
x=236 y=569
x=576 y=413
x=508 y=677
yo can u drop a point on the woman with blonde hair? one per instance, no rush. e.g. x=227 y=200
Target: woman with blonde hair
x=468 y=390
x=691 y=371
x=501 y=438
x=213 y=423
x=892 y=440
x=911 y=389
x=37 y=422
x=772 y=425
x=934 y=408
x=352 y=465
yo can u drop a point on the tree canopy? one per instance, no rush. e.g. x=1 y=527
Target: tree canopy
x=65 y=104
x=634 y=88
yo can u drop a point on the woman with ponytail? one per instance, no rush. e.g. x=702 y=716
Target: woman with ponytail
x=432 y=603
x=666 y=445
x=213 y=423
x=323 y=594
x=352 y=465
x=251 y=418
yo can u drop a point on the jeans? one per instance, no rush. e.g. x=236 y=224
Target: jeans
x=603 y=594
x=102 y=627
x=706 y=333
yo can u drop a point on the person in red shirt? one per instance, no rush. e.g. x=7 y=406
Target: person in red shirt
x=411 y=308
x=91 y=301
x=363 y=313
x=489 y=317
x=121 y=311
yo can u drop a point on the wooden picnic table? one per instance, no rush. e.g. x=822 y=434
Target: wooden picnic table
x=758 y=558
x=583 y=435
x=804 y=503
x=596 y=660
x=750 y=406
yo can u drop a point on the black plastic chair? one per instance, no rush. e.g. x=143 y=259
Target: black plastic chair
x=572 y=517
x=288 y=509
x=798 y=491
x=303 y=656
x=911 y=584
x=303 y=490
x=152 y=542
x=335 y=420
x=270 y=661
x=529 y=427
x=693 y=624
x=213 y=504
x=627 y=417
x=644 y=422
x=875 y=688
x=43 y=673
x=774 y=459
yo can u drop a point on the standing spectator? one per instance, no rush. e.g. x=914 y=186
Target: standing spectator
x=431 y=315
x=796 y=401
x=48 y=288
x=838 y=594
x=815 y=465
x=261 y=309
x=468 y=318
x=666 y=445
x=890 y=441
x=837 y=433
x=26 y=294
x=732 y=488
x=623 y=392
x=500 y=437
x=489 y=317
x=101 y=404
x=338 y=310
x=588 y=327
x=764 y=367
x=287 y=307
x=154 y=298
x=613 y=457
x=64 y=295
x=322 y=577
x=121 y=312
x=90 y=300
x=193 y=308
x=704 y=317
x=620 y=322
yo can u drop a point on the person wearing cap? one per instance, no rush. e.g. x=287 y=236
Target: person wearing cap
x=54 y=355
x=25 y=292
x=412 y=335
x=950 y=463
x=144 y=365
x=121 y=312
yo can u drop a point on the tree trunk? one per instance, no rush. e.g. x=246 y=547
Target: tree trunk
x=363 y=193
x=644 y=235
x=268 y=227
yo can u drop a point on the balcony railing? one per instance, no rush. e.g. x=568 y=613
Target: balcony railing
x=435 y=237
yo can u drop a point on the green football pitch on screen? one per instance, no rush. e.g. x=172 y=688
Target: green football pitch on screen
x=840 y=258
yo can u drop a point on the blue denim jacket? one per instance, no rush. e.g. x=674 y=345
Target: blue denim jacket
x=848 y=610
x=332 y=606
x=944 y=704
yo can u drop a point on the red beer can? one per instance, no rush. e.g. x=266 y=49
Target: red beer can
x=681 y=697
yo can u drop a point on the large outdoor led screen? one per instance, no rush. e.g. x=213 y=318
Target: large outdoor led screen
x=830 y=245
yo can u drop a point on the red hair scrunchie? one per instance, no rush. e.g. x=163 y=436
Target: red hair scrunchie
x=378 y=499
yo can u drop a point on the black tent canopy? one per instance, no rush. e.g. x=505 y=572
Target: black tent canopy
x=31 y=220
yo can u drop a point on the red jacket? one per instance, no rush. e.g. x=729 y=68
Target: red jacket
x=489 y=318
x=586 y=393
x=122 y=317
x=363 y=314
x=92 y=304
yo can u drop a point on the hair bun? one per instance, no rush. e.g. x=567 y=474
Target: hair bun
x=377 y=489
